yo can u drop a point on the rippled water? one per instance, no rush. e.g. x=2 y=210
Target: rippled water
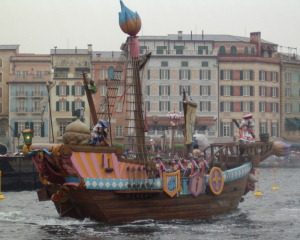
x=275 y=215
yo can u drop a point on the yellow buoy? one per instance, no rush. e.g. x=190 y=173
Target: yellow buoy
x=258 y=192
x=1 y=196
x=275 y=187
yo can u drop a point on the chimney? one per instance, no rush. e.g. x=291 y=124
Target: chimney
x=179 y=35
x=256 y=38
x=90 y=48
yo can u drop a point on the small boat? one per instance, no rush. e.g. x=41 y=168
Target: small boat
x=98 y=182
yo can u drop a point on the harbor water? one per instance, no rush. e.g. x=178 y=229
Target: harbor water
x=274 y=215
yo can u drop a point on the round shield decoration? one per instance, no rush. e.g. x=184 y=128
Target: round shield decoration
x=216 y=180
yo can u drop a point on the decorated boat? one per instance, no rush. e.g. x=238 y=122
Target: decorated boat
x=85 y=179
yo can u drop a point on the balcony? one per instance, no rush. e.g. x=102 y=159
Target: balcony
x=36 y=111
x=21 y=94
x=21 y=110
x=37 y=94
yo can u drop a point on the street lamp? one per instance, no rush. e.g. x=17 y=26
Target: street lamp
x=27 y=135
x=174 y=121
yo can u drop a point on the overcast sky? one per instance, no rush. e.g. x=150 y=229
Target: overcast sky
x=39 y=25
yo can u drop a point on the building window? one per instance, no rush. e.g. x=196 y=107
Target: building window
x=226 y=74
x=78 y=90
x=119 y=106
x=143 y=49
x=164 y=90
x=226 y=91
x=77 y=105
x=246 y=107
x=204 y=106
x=1 y=92
x=61 y=73
x=164 y=74
x=262 y=106
x=274 y=107
x=62 y=106
x=164 y=64
x=288 y=108
x=21 y=90
x=288 y=77
x=204 y=90
x=1 y=77
x=245 y=50
x=204 y=74
x=119 y=131
x=120 y=91
x=62 y=127
x=226 y=129
x=103 y=74
x=288 y=92
x=202 y=50
x=263 y=127
x=103 y=90
x=111 y=73
x=274 y=76
x=21 y=106
x=179 y=49
x=184 y=64
x=36 y=106
x=186 y=88
x=274 y=91
x=164 y=106
x=227 y=106
x=222 y=50
x=262 y=91
x=246 y=75
x=204 y=64
x=0 y=62
x=37 y=128
x=62 y=90
x=233 y=50
x=246 y=91
x=262 y=75
x=184 y=74
x=252 y=51
x=21 y=126
x=274 y=129
x=160 y=49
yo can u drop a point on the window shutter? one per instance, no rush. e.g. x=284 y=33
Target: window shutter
x=231 y=74
x=73 y=90
x=241 y=74
x=251 y=90
x=242 y=107
x=231 y=129
x=231 y=106
x=222 y=106
x=57 y=106
x=169 y=107
x=260 y=90
x=148 y=74
x=180 y=90
x=200 y=90
x=168 y=74
x=169 y=90
x=231 y=90
x=251 y=75
x=57 y=90
x=159 y=73
x=159 y=106
x=180 y=74
x=83 y=104
x=277 y=107
x=251 y=106
x=200 y=74
x=276 y=92
x=260 y=106
x=73 y=108
x=189 y=73
x=222 y=74
x=68 y=90
x=221 y=129
x=259 y=75
x=222 y=90
x=241 y=91
x=159 y=90
x=208 y=90
x=42 y=129
x=67 y=106
x=82 y=90
x=208 y=74
x=209 y=106
x=200 y=106
x=16 y=129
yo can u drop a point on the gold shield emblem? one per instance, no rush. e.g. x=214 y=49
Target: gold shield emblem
x=216 y=180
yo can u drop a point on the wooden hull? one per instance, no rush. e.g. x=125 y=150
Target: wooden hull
x=118 y=207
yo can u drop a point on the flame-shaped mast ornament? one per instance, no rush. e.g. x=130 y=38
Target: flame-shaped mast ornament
x=129 y=21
